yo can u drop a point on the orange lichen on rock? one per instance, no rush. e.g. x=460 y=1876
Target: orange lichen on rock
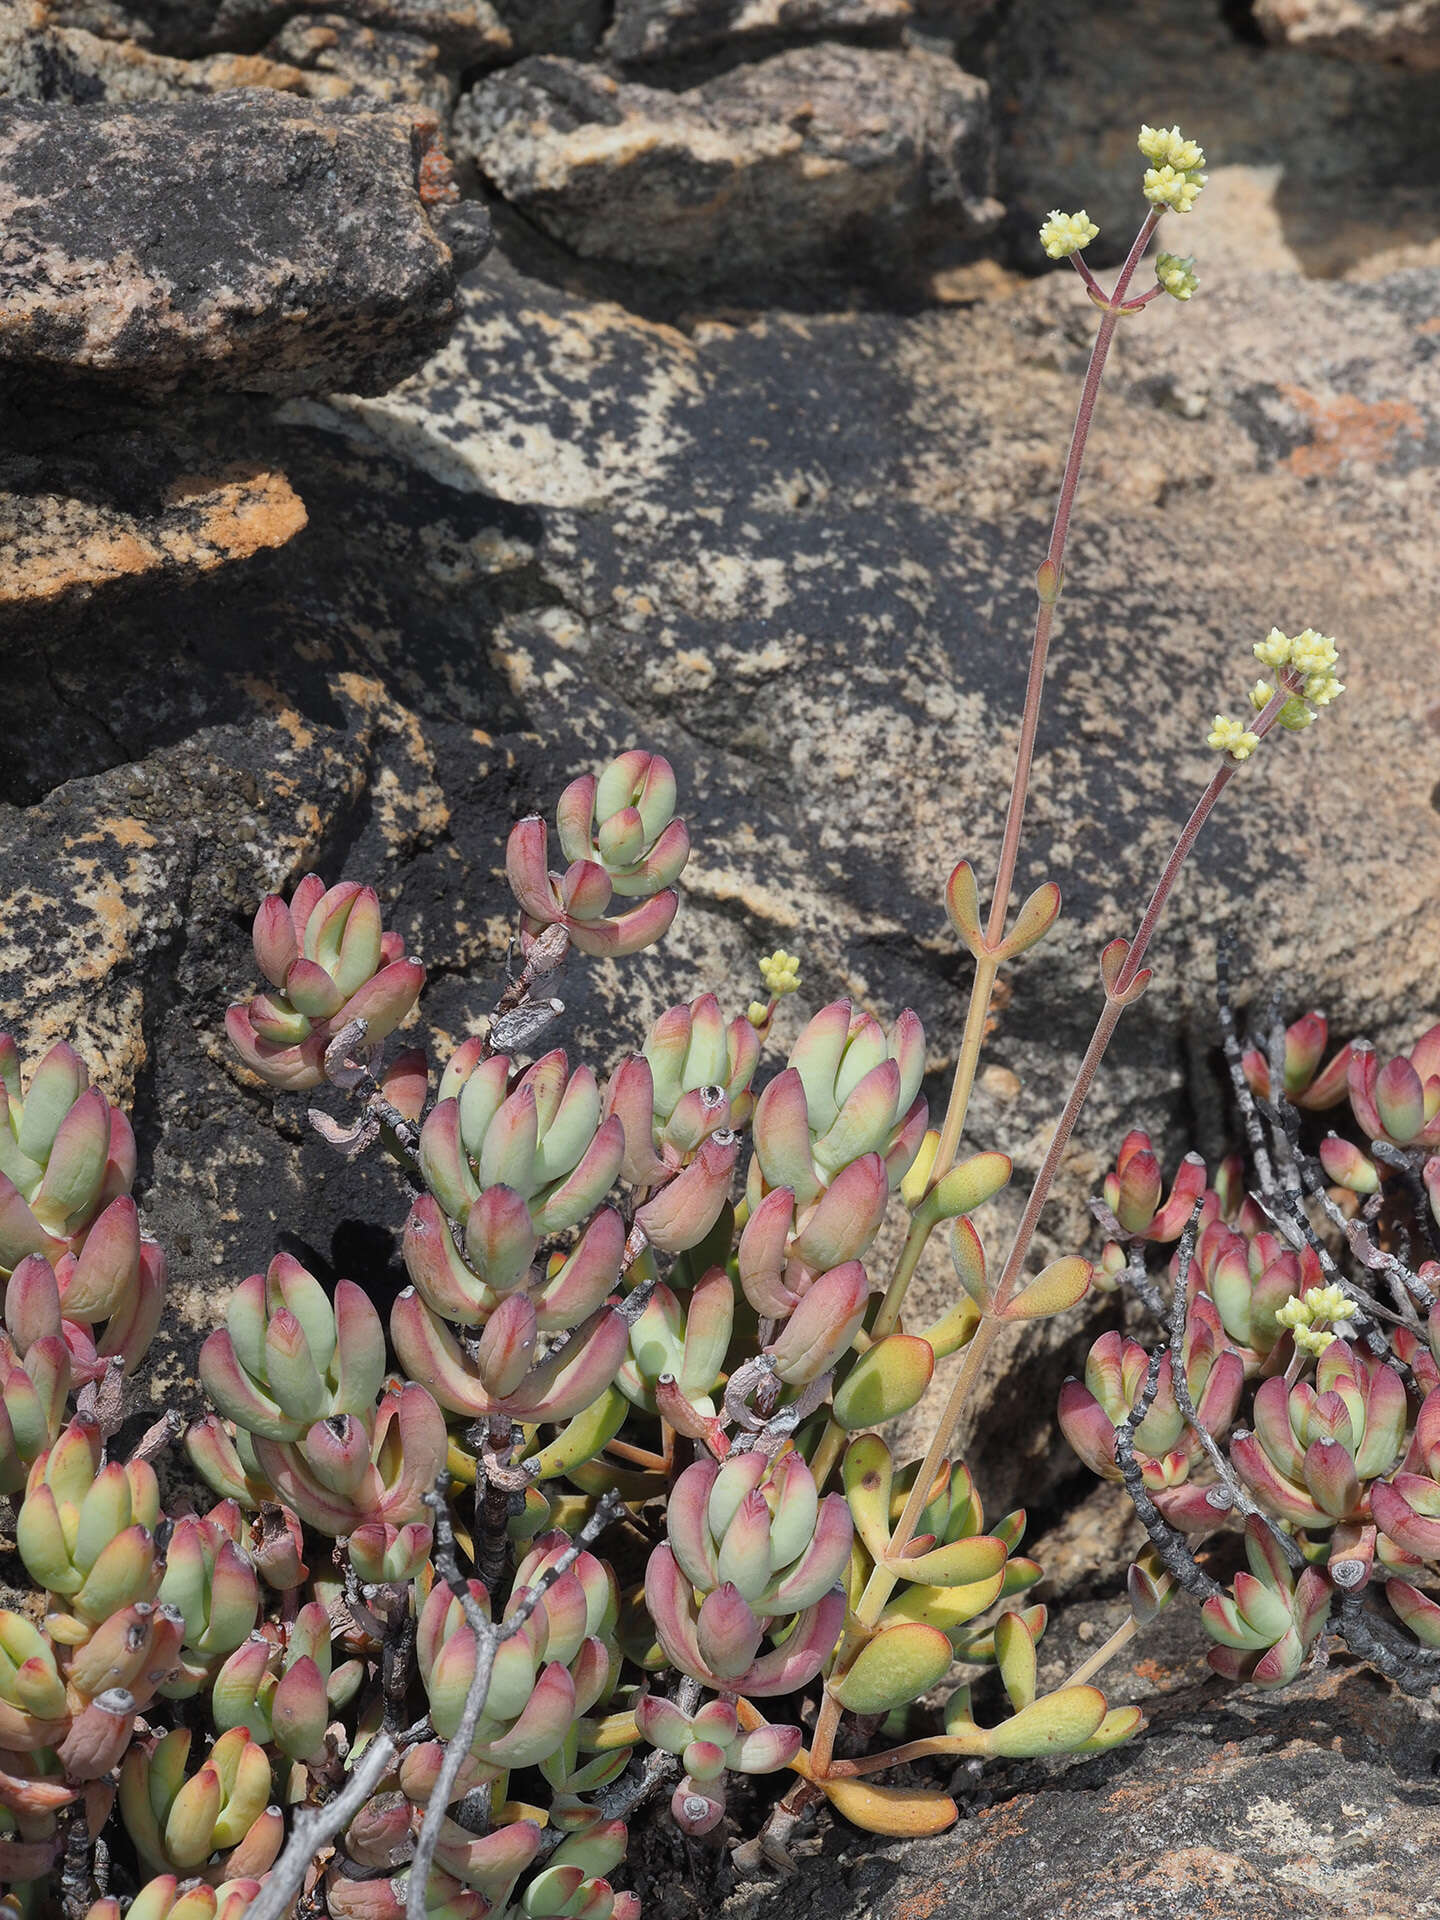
x=1348 y=428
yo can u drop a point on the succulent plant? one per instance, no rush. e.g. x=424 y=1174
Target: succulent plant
x=329 y=962
x=710 y=1744
x=756 y=1542
x=1306 y=1083
x=1316 y=1448
x=1166 y=1444
x=545 y=1677
x=1270 y=1619
x=65 y=1154
x=619 y=833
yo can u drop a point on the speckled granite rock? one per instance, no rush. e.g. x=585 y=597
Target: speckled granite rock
x=322 y=57
x=794 y=556
x=295 y=254
x=71 y=66
x=816 y=155
x=665 y=29
x=1403 y=30
x=469 y=32
x=340 y=58
x=124 y=506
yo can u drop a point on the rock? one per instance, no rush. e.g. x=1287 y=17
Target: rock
x=794 y=555
x=1352 y=152
x=666 y=29
x=468 y=32
x=295 y=254
x=73 y=67
x=362 y=60
x=1317 y=1803
x=123 y=507
x=553 y=26
x=1407 y=31
x=817 y=156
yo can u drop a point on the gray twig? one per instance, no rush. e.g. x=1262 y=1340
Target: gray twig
x=316 y=1827
x=1234 y=1060
x=488 y=1638
x=1412 y=1668
x=1170 y=1545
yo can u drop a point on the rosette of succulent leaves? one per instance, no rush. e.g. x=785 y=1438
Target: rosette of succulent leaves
x=609 y=1508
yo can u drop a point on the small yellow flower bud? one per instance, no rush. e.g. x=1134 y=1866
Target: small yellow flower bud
x=1306 y=1316
x=1322 y=688
x=1312 y=652
x=758 y=1012
x=1273 y=650
x=1329 y=1303
x=781 y=972
x=1067 y=233
x=1314 y=1339
x=1261 y=694
x=1232 y=737
x=1176 y=275
x=1167 y=146
x=1167 y=188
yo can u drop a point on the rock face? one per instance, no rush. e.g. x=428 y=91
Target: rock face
x=294 y=255
x=769 y=168
x=664 y=29
x=128 y=506
x=469 y=32
x=302 y=579
x=1403 y=30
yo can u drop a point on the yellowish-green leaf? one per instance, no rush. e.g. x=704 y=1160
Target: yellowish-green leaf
x=1056 y=1723
x=962 y=903
x=1119 y=1725
x=1060 y=1285
x=1034 y=920
x=965 y=1187
x=582 y=1438
x=959 y=1564
x=1015 y=1656
x=886 y=1381
x=897 y=1666
x=866 y=1473
x=947 y=1608
x=968 y=1256
x=906 y=1813
x=948 y=1335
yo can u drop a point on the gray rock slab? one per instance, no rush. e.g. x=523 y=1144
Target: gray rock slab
x=819 y=156
x=644 y=30
x=248 y=240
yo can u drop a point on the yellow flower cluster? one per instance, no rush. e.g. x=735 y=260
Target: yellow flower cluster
x=1176 y=171
x=1168 y=147
x=1310 y=1317
x=781 y=972
x=1232 y=737
x=1067 y=233
x=1176 y=275
x=1310 y=654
